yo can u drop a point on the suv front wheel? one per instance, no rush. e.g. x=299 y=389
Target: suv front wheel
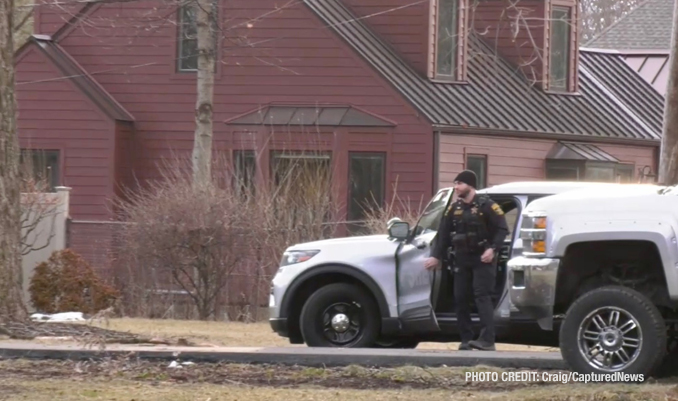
x=340 y=315
x=613 y=329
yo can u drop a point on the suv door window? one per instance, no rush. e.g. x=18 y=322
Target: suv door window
x=430 y=218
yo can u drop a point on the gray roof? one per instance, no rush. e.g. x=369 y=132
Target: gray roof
x=498 y=98
x=579 y=151
x=648 y=26
x=327 y=115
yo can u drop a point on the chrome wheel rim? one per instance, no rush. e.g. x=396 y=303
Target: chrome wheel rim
x=610 y=339
x=342 y=322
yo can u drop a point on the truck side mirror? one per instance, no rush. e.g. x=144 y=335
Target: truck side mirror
x=399 y=230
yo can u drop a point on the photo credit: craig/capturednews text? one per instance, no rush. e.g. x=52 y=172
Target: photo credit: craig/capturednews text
x=562 y=377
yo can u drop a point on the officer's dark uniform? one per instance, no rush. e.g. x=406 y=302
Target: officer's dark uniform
x=470 y=229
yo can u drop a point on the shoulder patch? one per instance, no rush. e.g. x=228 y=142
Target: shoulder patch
x=497 y=209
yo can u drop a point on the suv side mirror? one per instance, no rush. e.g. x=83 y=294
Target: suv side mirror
x=399 y=229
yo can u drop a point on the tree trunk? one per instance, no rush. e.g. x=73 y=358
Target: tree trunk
x=669 y=149
x=11 y=300
x=206 y=35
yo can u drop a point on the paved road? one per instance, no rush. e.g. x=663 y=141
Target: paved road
x=294 y=355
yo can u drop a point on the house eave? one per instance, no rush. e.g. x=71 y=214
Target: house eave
x=499 y=132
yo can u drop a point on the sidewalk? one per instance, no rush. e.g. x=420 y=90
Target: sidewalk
x=306 y=356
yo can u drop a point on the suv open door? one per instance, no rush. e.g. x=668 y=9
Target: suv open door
x=418 y=288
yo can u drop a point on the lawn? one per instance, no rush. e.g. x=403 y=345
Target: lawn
x=143 y=380
x=236 y=334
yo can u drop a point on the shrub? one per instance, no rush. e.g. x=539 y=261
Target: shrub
x=66 y=283
x=217 y=242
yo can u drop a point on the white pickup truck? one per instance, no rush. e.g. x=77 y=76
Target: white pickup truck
x=600 y=267
x=373 y=291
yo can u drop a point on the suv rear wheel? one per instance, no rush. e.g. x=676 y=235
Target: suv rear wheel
x=340 y=315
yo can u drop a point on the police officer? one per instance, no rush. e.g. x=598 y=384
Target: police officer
x=475 y=228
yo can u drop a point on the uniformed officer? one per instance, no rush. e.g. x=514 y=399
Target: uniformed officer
x=475 y=228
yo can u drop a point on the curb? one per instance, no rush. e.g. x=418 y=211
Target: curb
x=312 y=357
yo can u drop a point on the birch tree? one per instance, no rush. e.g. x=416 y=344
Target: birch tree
x=206 y=29
x=11 y=303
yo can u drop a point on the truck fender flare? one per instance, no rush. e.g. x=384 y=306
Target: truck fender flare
x=365 y=279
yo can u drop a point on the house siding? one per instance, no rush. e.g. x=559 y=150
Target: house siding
x=295 y=59
x=304 y=63
x=402 y=24
x=518 y=159
x=54 y=114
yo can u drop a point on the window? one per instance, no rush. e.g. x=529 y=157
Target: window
x=559 y=45
x=593 y=171
x=245 y=166
x=188 y=40
x=430 y=218
x=447 y=39
x=40 y=166
x=624 y=173
x=303 y=188
x=478 y=164
x=366 y=186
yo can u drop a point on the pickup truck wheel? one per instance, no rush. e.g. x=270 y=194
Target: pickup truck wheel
x=340 y=315
x=613 y=329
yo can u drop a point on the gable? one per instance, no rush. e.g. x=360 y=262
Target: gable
x=496 y=97
x=76 y=75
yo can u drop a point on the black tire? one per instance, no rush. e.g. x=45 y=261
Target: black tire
x=316 y=317
x=632 y=306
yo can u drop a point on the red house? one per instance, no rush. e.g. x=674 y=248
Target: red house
x=409 y=91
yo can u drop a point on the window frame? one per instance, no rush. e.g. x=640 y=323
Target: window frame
x=559 y=6
x=240 y=156
x=180 y=39
x=582 y=168
x=482 y=178
x=181 y=13
x=352 y=155
x=459 y=20
x=55 y=177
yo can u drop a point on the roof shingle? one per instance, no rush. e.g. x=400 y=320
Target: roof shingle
x=648 y=26
x=498 y=97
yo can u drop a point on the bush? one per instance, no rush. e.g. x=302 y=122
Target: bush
x=66 y=283
x=213 y=244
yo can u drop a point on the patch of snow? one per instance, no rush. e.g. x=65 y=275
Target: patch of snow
x=58 y=317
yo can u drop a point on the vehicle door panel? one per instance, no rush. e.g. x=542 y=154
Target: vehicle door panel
x=417 y=287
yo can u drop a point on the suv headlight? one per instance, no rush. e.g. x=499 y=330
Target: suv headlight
x=533 y=233
x=292 y=257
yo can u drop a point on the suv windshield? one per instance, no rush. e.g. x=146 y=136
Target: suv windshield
x=430 y=219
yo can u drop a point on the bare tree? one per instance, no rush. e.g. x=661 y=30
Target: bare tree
x=668 y=161
x=11 y=302
x=597 y=15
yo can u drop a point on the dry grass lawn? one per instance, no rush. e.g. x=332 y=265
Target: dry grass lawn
x=66 y=390
x=134 y=380
x=234 y=334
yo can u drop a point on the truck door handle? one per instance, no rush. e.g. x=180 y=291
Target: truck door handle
x=420 y=244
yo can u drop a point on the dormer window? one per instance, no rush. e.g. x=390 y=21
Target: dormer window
x=561 y=49
x=449 y=21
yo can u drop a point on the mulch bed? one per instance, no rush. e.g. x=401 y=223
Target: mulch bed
x=31 y=330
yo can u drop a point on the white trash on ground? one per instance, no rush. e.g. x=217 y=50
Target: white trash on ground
x=58 y=317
